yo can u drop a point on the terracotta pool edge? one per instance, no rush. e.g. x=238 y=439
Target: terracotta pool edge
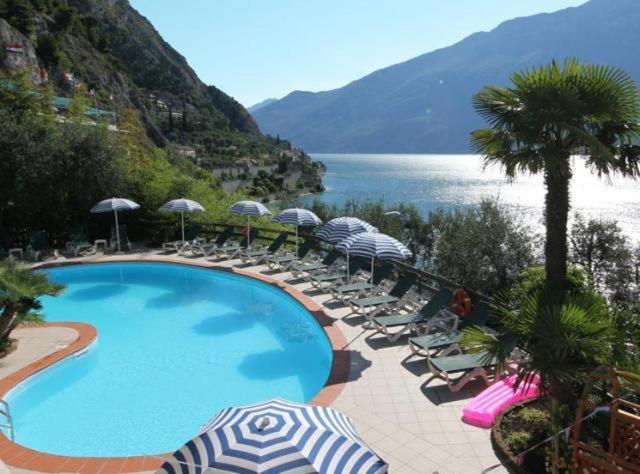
x=18 y=456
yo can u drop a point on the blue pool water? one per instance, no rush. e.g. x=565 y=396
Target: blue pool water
x=175 y=345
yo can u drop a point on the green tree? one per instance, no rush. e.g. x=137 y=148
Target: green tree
x=18 y=13
x=20 y=293
x=600 y=247
x=550 y=114
x=484 y=248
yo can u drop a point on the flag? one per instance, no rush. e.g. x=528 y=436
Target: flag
x=68 y=76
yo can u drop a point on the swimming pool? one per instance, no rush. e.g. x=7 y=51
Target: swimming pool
x=175 y=344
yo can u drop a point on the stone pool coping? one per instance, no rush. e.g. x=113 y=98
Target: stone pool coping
x=18 y=456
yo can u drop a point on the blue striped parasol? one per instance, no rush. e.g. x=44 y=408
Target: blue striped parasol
x=374 y=245
x=298 y=217
x=249 y=208
x=340 y=228
x=182 y=206
x=276 y=437
x=115 y=205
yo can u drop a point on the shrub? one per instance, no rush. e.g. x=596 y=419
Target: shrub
x=484 y=248
x=518 y=440
x=536 y=419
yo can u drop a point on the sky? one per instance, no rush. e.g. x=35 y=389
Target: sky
x=259 y=49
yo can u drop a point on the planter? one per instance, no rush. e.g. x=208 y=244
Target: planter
x=532 y=463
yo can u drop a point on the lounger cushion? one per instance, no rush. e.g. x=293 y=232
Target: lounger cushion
x=461 y=362
x=434 y=341
x=256 y=253
x=280 y=260
x=332 y=277
x=309 y=267
x=354 y=287
x=400 y=319
x=374 y=301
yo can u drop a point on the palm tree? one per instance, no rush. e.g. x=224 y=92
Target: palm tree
x=550 y=114
x=562 y=343
x=20 y=290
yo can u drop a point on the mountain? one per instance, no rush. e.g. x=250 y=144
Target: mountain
x=424 y=105
x=261 y=104
x=109 y=54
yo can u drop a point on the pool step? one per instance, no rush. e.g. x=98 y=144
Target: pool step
x=6 y=412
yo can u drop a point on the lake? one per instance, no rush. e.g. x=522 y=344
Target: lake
x=449 y=181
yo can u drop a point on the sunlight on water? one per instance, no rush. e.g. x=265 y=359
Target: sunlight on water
x=447 y=181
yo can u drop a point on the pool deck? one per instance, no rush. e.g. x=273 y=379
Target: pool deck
x=415 y=427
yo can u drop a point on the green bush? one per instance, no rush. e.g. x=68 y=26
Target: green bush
x=536 y=419
x=518 y=440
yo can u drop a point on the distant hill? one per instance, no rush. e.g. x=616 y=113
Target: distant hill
x=262 y=104
x=113 y=56
x=424 y=105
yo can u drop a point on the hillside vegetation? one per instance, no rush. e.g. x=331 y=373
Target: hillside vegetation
x=107 y=52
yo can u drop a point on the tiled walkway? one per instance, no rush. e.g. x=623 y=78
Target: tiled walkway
x=416 y=428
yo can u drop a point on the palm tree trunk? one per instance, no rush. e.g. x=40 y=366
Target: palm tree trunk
x=557 y=177
x=8 y=319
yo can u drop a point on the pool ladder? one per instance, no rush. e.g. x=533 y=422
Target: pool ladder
x=8 y=424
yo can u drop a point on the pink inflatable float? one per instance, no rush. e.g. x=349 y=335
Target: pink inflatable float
x=483 y=409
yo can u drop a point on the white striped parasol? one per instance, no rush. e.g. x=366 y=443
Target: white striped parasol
x=115 y=205
x=182 y=206
x=249 y=208
x=277 y=437
x=298 y=217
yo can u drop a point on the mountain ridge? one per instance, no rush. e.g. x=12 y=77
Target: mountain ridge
x=423 y=105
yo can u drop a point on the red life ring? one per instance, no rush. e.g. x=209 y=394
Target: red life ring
x=461 y=303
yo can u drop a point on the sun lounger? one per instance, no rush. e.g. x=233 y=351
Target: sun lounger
x=207 y=248
x=233 y=249
x=413 y=321
x=327 y=279
x=373 y=305
x=258 y=255
x=447 y=342
x=181 y=246
x=362 y=288
x=458 y=370
x=79 y=244
x=124 y=237
x=38 y=245
x=303 y=269
x=284 y=262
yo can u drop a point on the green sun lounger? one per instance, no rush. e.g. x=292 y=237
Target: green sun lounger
x=233 y=249
x=38 y=245
x=447 y=342
x=304 y=269
x=207 y=248
x=284 y=262
x=372 y=305
x=78 y=243
x=179 y=245
x=468 y=366
x=327 y=279
x=124 y=237
x=257 y=256
x=361 y=288
x=413 y=321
